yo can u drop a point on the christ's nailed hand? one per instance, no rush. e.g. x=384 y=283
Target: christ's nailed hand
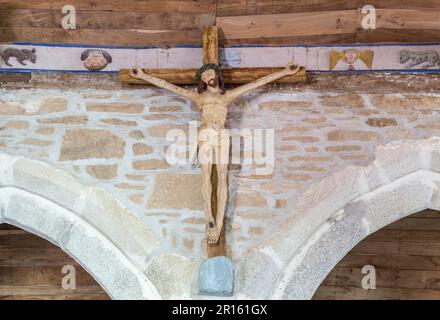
x=136 y=73
x=292 y=68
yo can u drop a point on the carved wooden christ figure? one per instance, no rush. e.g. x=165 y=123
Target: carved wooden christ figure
x=212 y=101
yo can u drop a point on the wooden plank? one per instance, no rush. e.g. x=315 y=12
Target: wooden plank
x=408 y=235
x=231 y=8
x=311 y=22
x=100 y=37
x=428 y=213
x=284 y=6
x=230 y=75
x=412 y=19
x=305 y=40
x=70 y=296
x=30 y=268
x=34 y=256
x=288 y=25
x=192 y=37
x=5 y=226
x=389 y=261
x=23 y=241
x=407 y=263
x=410 y=223
x=17 y=252
x=396 y=35
x=405 y=248
x=401 y=4
x=152 y=6
x=325 y=292
x=37 y=262
x=28 y=252
x=29 y=18
x=107 y=20
x=25 y=4
x=407 y=279
x=258 y=7
x=239 y=7
x=353 y=293
x=402 y=25
x=36 y=275
x=9 y=231
x=44 y=290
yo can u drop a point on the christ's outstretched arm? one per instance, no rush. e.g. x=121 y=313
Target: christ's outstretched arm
x=140 y=74
x=291 y=69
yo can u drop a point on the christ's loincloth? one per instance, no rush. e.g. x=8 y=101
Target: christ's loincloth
x=213 y=142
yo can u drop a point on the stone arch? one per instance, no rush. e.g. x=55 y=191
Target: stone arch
x=86 y=222
x=335 y=214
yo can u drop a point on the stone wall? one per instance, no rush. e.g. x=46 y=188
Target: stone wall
x=115 y=140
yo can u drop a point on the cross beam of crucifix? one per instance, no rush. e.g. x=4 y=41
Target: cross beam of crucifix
x=210 y=55
x=216 y=247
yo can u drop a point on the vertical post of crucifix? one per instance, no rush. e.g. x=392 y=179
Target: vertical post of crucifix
x=210 y=55
x=210 y=45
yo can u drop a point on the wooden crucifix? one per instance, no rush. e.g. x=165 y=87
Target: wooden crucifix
x=212 y=101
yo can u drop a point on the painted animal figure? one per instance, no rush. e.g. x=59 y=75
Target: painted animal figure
x=430 y=58
x=20 y=54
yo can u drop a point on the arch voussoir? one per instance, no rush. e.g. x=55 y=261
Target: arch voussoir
x=339 y=211
x=50 y=203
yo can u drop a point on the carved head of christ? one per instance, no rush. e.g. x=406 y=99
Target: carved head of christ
x=209 y=78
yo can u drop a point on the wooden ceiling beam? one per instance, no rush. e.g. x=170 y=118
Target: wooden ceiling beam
x=407 y=19
x=304 y=26
x=288 y=25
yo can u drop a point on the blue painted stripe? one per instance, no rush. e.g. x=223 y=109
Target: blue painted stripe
x=68 y=45
x=381 y=70
x=415 y=44
x=397 y=44
x=13 y=70
x=406 y=44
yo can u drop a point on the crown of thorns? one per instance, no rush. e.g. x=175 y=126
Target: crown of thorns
x=205 y=67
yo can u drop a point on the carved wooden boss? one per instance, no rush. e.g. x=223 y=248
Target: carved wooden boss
x=230 y=76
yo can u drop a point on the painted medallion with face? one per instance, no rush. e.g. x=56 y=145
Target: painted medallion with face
x=95 y=60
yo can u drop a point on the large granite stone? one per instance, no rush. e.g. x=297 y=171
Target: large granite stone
x=172 y=275
x=176 y=191
x=87 y=144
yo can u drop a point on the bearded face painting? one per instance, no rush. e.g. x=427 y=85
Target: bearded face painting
x=95 y=60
